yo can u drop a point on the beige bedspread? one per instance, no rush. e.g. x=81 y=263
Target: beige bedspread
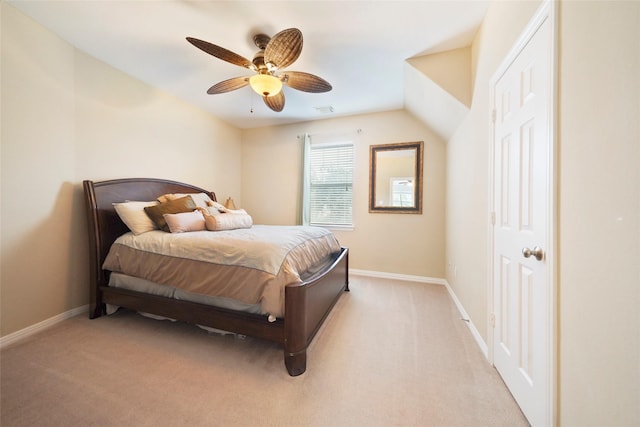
x=249 y=265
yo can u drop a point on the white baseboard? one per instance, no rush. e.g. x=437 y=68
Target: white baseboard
x=436 y=281
x=23 y=333
x=474 y=332
x=38 y=327
x=396 y=276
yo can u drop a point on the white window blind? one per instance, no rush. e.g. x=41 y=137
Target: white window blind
x=330 y=184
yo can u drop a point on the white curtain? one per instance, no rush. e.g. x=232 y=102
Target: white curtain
x=306 y=188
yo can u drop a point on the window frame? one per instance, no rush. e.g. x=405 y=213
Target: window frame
x=307 y=204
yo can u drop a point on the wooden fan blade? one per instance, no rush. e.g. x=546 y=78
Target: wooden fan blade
x=305 y=82
x=221 y=53
x=228 y=85
x=283 y=48
x=275 y=102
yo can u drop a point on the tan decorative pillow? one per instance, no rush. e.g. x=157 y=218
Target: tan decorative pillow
x=156 y=213
x=200 y=199
x=228 y=221
x=185 y=222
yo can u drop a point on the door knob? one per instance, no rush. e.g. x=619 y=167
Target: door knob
x=536 y=252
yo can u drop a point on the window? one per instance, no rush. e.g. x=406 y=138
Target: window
x=402 y=191
x=328 y=198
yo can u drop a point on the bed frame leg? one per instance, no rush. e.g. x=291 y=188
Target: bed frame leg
x=96 y=307
x=296 y=363
x=95 y=311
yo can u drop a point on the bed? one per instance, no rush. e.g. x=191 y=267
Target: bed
x=306 y=302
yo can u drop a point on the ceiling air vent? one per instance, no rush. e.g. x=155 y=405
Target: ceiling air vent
x=324 y=110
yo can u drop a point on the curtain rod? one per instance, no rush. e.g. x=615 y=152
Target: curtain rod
x=337 y=133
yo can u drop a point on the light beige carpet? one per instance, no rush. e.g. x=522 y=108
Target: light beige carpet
x=391 y=354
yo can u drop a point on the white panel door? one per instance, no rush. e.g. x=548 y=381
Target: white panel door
x=522 y=98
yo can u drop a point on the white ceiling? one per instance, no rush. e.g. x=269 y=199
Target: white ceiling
x=358 y=46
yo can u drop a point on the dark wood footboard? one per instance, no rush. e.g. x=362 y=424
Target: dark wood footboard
x=307 y=304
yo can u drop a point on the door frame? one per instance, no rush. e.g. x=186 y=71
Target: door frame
x=547 y=11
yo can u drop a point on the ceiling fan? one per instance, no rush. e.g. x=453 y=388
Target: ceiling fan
x=275 y=54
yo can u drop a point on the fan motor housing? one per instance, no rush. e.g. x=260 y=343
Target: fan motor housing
x=261 y=40
x=258 y=61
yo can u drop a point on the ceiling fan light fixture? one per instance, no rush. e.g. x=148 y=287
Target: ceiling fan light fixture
x=265 y=84
x=276 y=53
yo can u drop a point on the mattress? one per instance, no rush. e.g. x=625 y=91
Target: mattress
x=247 y=268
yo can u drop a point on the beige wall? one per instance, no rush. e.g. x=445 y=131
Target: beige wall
x=67 y=117
x=392 y=243
x=599 y=198
x=450 y=70
x=599 y=202
x=64 y=115
x=468 y=164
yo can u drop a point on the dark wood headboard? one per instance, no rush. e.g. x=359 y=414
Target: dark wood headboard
x=105 y=226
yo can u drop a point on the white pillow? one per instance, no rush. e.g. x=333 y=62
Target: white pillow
x=201 y=199
x=210 y=210
x=185 y=221
x=215 y=205
x=134 y=216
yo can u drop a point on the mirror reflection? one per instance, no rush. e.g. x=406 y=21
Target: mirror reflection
x=395 y=179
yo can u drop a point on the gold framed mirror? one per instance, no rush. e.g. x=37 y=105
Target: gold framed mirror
x=395 y=177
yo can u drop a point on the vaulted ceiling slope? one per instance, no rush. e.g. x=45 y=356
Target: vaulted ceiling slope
x=360 y=47
x=438 y=89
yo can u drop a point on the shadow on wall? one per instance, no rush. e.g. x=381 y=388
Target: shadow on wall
x=78 y=250
x=46 y=272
